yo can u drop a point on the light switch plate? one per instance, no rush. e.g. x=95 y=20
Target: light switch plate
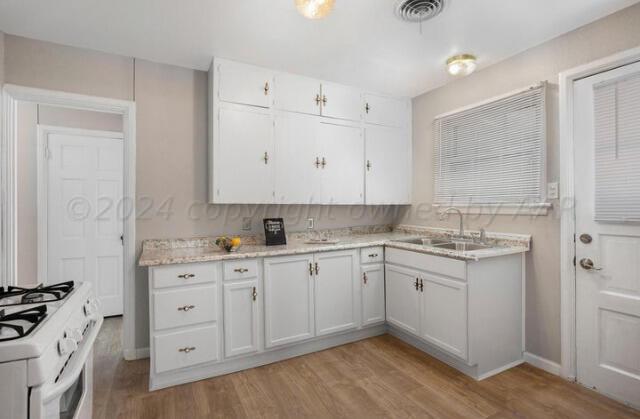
x=246 y=224
x=310 y=223
x=552 y=190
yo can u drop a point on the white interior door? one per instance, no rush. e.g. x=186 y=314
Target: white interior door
x=607 y=167
x=84 y=204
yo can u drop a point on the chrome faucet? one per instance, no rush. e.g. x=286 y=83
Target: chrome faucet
x=446 y=212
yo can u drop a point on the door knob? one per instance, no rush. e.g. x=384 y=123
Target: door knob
x=587 y=264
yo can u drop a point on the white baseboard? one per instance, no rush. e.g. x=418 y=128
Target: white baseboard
x=133 y=354
x=542 y=363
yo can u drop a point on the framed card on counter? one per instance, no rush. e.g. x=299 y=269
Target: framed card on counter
x=274 y=232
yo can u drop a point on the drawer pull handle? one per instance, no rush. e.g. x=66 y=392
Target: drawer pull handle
x=254 y=294
x=241 y=270
x=310 y=268
x=186 y=276
x=186 y=308
x=421 y=286
x=417 y=284
x=187 y=349
x=317 y=268
x=373 y=255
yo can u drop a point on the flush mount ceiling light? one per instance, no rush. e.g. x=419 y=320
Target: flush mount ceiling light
x=314 y=9
x=461 y=65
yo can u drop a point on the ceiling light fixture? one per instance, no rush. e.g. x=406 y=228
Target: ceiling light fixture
x=314 y=9
x=461 y=65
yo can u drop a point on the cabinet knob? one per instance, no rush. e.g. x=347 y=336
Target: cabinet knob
x=254 y=294
x=417 y=284
x=266 y=88
x=368 y=165
x=265 y=157
x=367 y=108
x=323 y=163
x=310 y=268
x=186 y=276
x=364 y=277
x=324 y=100
x=373 y=255
x=186 y=308
x=317 y=162
x=317 y=268
x=318 y=99
x=241 y=270
x=187 y=349
x=421 y=285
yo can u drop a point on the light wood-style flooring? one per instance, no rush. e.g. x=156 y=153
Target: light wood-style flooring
x=374 y=378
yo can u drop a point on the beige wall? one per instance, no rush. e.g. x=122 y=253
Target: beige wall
x=1 y=58
x=171 y=105
x=612 y=34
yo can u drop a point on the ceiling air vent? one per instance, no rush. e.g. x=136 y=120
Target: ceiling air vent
x=418 y=10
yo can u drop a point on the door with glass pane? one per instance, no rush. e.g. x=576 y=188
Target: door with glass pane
x=607 y=166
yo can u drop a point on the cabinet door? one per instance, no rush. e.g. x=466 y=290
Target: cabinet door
x=403 y=299
x=297 y=169
x=240 y=318
x=342 y=102
x=289 y=305
x=388 y=165
x=335 y=291
x=372 y=294
x=297 y=94
x=384 y=110
x=243 y=158
x=244 y=84
x=342 y=174
x=444 y=314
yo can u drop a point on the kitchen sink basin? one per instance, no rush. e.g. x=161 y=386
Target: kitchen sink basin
x=462 y=246
x=426 y=241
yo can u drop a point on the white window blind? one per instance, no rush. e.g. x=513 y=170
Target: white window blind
x=492 y=153
x=617 y=149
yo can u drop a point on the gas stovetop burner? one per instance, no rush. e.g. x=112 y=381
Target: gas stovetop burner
x=40 y=294
x=20 y=323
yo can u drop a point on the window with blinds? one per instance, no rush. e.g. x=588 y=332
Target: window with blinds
x=492 y=153
x=617 y=149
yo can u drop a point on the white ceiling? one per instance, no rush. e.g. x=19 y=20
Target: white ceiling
x=360 y=43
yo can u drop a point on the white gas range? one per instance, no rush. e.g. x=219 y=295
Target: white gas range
x=46 y=351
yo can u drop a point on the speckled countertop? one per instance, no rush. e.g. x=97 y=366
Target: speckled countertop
x=174 y=251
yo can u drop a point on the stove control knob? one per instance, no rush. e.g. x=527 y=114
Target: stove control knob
x=74 y=334
x=66 y=346
x=90 y=310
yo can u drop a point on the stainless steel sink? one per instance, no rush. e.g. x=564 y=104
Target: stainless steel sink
x=424 y=241
x=462 y=246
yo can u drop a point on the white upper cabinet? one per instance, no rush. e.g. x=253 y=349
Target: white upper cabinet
x=243 y=157
x=342 y=174
x=244 y=84
x=282 y=138
x=297 y=159
x=341 y=102
x=388 y=165
x=297 y=94
x=384 y=110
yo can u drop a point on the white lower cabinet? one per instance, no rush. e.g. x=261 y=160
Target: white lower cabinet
x=240 y=318
x=403 y=298
x=444 y=313
x=372 y=294
x=288 y=299
x=335 y=291
x=185 y=348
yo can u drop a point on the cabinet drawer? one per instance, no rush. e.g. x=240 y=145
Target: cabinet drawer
x=429 y=263
x=183 y=274
x=372 y=255
x=184 y=307
x=186 y=348
x=240 y=269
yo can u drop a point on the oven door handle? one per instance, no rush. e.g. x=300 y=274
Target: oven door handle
x=75 y=367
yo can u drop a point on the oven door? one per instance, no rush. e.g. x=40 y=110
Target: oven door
x=71 y=395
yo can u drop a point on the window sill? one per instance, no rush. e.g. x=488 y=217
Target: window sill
x=499 y=209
